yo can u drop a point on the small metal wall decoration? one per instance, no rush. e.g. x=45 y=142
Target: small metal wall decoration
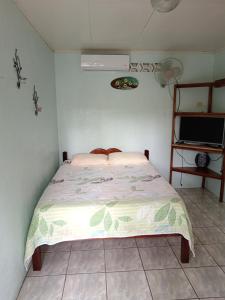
x=35 y=99
x=18 y=68
x=144 y=67
x=125 y=83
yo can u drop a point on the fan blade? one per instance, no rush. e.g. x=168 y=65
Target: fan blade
x=164 y=6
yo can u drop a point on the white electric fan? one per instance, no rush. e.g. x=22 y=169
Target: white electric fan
x=164 y=6
x=169 y=71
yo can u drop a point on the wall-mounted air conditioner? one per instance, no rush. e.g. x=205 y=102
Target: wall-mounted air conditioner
x=94 y=62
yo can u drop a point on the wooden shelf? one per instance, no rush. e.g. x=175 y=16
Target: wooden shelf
x=194 y=85
x=217 y=84
x=200 y=114
x=204 y=172
x=199 y=148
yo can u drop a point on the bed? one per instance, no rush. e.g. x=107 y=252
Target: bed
x=107 y=201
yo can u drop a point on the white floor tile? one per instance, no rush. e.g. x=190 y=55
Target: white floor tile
x=90 y=261
x=128 y=286
x=87 y=245
x=122 y=260
x=85 y=287
x=158 y=258
x=207 y=281
x=169 y=284
x=42 y=288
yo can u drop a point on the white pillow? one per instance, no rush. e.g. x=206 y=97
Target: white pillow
x=127 y=158
x=86 y=159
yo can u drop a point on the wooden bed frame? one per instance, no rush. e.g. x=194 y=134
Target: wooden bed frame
x=185 y=249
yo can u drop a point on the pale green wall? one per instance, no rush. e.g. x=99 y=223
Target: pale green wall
x=28 y=144
x=91 y=114
x=218 y=105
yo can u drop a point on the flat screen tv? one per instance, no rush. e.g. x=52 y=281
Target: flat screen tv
x=203 y=130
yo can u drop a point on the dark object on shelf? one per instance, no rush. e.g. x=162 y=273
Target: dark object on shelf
x=202 y=160
x=35 y=99
x=207 y=130
x=18 y=68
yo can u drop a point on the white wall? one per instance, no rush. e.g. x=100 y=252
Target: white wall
x=28 y=144
x=92 y=114
x=218 y=105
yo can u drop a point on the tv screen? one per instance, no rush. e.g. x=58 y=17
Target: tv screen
x=202 y=130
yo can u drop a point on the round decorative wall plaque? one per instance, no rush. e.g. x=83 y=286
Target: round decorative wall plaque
x=125 y=83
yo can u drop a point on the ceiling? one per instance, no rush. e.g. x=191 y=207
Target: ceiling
x=195 y=25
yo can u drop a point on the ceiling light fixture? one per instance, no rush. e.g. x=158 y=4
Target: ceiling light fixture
x=164 y=6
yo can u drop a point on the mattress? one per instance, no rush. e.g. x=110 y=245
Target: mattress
x=106 y=202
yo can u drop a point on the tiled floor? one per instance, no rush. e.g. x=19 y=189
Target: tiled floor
x=142 y=269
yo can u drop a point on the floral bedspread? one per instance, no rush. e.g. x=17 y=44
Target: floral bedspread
x=106 y=201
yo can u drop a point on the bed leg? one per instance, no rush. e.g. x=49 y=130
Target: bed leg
x=36 y=259
x=185 y=250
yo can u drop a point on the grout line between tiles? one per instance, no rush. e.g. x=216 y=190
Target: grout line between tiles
x=22 y=284
x=190 y=298
x=185 y=274
x=217 y=265
x=144 y=272
x=126 y=271
x=66 y=275
x=106 y=287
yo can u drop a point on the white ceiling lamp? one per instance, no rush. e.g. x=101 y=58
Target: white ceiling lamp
x=164 y=6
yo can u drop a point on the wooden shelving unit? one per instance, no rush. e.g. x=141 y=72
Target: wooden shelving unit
x=203 y=172
x=198 y=171
x=200 y=114
x=198 y=148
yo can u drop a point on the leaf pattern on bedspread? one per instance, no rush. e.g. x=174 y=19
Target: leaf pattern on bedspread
x=162 y=213
x=145 y=178
x=167 y=211
x=105 y=202
x=107 y=221
x=104 y=215
x=40 y=223
x=97 y=217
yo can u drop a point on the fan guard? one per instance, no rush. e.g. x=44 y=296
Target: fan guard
x=169 y=71
x=164 y=6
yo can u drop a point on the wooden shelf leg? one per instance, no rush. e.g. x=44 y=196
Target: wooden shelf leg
x=203 y=182
x=171 y=165
x=170 y=180
x=222 y=180
x=173 y=131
